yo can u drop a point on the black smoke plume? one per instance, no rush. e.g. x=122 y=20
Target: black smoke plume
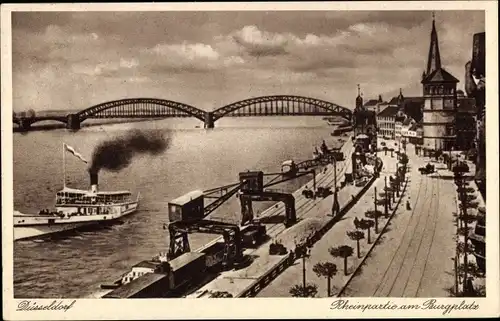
x=117 y=153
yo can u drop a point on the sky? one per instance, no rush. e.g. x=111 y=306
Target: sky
x=74 y=60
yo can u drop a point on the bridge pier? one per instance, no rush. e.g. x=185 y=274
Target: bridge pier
x=24 y=124
x=209 y=120
x=73 y=122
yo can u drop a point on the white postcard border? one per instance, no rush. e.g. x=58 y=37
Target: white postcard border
x=254 y=307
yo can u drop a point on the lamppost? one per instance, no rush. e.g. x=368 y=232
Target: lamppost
x=335 y=205
x=386 y=212
x=450 y=163
x=304 y=256
x=399 y=146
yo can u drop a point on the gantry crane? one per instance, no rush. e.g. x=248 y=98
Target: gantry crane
x=187 y=214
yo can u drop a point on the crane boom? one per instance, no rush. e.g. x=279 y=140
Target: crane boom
x=219 y=201
x=296 y=175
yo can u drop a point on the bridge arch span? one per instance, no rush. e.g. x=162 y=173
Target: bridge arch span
x=48 y=119
x=285 y=105
x=141 y=107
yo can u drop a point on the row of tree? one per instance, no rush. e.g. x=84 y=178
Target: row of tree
x=328 y=270
x=465 y=271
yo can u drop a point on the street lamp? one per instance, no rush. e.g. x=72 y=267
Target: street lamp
x=386 y=212
x=306 y=254
x=335 y=205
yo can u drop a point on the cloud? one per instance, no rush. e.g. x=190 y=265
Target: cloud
x=185 y=51
x=260 y=43
x=76 y=59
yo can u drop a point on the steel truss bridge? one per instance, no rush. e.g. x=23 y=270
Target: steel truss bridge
x=279 y=105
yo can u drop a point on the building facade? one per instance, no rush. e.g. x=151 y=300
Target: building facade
x=398 y=124
x=406 y=126
x=440 y=102
x=386 y=122
x=466 y=123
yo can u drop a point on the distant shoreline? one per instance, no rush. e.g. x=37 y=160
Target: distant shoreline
x=95 y=122
x=100 y=122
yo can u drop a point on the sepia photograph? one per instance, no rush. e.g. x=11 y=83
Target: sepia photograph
x=197 y=152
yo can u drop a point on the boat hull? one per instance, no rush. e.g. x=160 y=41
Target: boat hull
x=35 y=226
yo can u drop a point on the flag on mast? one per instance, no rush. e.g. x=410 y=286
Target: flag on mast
x=75 y=153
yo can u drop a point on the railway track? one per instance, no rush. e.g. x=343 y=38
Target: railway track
x=426 y=249
x=404 y=273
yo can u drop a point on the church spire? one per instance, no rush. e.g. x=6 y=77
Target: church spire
x=434 y=59
x=359 y=99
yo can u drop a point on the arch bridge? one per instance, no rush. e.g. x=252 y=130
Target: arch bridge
x=25 y=122
x=279 y=105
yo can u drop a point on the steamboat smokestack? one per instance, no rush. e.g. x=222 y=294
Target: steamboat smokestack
x=94 y=182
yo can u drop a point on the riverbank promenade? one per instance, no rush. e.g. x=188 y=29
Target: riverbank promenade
x=413 y=256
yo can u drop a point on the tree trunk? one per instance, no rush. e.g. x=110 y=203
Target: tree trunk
x=328 y=285
x=345 y=265
x=376 y=223
x=466 y=247
x=357 y=244
x=369 y=236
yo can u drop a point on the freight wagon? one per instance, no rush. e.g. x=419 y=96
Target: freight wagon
x=183 y=270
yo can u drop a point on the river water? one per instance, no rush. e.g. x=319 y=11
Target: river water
x=76 y=265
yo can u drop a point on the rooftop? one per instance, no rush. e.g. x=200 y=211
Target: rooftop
x=407 y=121
x=184 y=259
x=89 y=193
x=393 y=101
x=440 y=75
x=389 y=111
x=371 y=102
x=413 y=107
x=135 y=286
x=182 y=200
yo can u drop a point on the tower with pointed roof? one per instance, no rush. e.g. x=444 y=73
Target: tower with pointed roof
x=358 y=115
x=440 y=101
x=401 y=99
x=359 y=99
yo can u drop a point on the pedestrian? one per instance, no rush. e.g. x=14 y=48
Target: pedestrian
x=408 y=207
x=356 y=222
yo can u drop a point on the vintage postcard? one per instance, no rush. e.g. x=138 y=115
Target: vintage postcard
x=250 y=160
